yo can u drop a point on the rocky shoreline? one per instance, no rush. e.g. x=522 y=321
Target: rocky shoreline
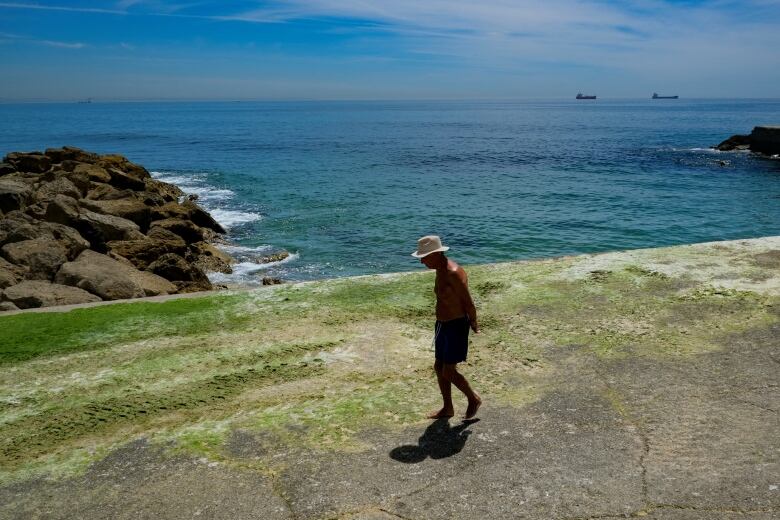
x=78 y=227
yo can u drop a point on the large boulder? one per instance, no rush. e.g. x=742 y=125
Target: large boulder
x=184 y=228
x=765 y=139
x=143 y=252
x=70 y=153
x=66 y=236
x=33 y=162
x=10 y=274
x=60 y=185
x=103 y=191
x=170 y=210
x=17 y=226
x=122 y=164
x=152 y=284
x=92 y=171
x=14 y=194
x=169 y=192
x=6 y=168
x=40 y=293
x=99 y=275
x=174 y=267
x=41 y=256
x=62 y=210
x=123 y=180
x=129 y=208
x=201 y=218
x=209 y=258
x=106 y=227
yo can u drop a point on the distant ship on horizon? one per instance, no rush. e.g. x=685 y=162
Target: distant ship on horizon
x=584 y=96
x=656 y=96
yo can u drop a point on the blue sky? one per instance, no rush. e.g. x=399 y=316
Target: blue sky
x=387 y=49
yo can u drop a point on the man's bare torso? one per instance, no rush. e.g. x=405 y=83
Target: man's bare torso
x=449 y=304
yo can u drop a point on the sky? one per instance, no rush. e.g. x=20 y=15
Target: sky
x=387 y=49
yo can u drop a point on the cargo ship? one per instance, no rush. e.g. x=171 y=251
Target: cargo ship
x=656 y=96
x=583 y=96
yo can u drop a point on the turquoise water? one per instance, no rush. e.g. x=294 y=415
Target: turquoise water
x=349 y=186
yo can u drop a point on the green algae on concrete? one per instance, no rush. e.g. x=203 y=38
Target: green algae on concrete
x=311 y=366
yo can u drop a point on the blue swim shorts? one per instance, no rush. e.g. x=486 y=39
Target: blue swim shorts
x=451 y=338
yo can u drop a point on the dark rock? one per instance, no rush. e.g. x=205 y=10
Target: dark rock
x=10 y=274
x=267 y=280
x=33 y=162
x=41 y=293
x=735 y=142
x=93 y=172
x=107 y=227
x=6 y=168
x=41 y=256
x=128 y=208
x=13 y=194
x=62 y=185
x=191 y=287
x=68 y=238
x=184 y=228
x=122 y=164
x=70 y=153
x=765 y=140
x=174 y=267
x=103 y=191
x=123 y=180
x=37 y=210
x=17 y=226
x=209 y=258
x=99 y=275
x=141 y=253
x=170 y=210
x=62 y=210
x=276 y=257
x=169 y=192
x=201 y=218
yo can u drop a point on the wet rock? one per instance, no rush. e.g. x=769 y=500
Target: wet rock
x=735 y=142
x=99 y=275
x=268 y=280
x=201 y=218
x=276 y=257
x=209 y=258
x=41 y=256
x=39 y=293
x=13 y=194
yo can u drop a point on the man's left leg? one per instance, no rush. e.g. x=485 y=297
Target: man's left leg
x=450 y=372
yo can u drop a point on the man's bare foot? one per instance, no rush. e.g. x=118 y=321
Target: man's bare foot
x=441 y=414
x=471 y=411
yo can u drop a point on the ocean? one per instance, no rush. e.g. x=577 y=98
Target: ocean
x=348 y=187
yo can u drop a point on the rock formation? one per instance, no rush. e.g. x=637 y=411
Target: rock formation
x=763 y=139
x=80 y=227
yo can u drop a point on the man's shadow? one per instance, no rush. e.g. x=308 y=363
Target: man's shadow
x=437 y=442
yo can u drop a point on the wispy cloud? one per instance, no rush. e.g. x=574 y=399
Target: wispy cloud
x=76 y=9
x=63 y=45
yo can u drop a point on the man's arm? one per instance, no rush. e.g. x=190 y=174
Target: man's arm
x=462 y=290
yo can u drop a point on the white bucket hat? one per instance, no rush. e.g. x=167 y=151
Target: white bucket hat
x=427 y=245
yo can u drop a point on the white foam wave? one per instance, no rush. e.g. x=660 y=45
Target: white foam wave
x=230 y=218
x=230 y=248
x=243 y=272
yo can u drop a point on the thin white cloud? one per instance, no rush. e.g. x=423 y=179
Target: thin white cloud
x=42 y=7
x=62 y=45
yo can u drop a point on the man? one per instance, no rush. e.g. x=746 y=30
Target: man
x=455 y=314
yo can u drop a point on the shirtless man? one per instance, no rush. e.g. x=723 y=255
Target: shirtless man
x=455 y=314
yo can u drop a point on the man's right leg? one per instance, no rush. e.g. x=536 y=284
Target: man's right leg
x=445 y=387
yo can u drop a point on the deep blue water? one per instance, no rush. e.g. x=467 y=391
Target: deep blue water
x=350 y=186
